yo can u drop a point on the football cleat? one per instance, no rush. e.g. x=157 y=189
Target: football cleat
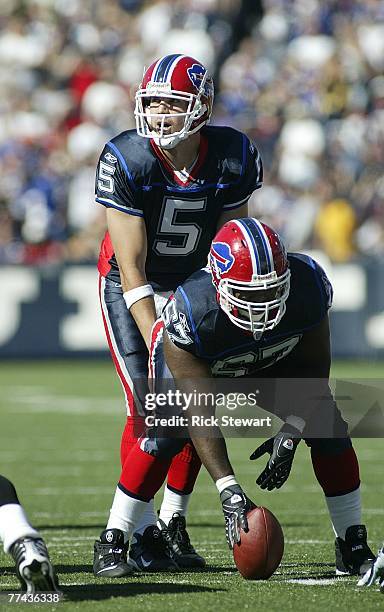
x=33 y=566
x=375 y=574
x=353 y=555
x=149 y=552
x=110 y=555
x=179 y=544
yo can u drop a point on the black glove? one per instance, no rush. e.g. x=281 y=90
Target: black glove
x=282 y=449
x=235 y=505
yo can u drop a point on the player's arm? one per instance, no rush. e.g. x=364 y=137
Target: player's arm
x=129 y=239
x=186 y=369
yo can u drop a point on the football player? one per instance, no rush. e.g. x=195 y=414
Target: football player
x=167 y=187
x=258 y=312
x=33 y=566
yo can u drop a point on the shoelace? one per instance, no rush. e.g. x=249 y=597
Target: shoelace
x=179 y=534
x=156 y=543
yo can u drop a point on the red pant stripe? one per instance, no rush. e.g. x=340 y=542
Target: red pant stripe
x=156 y=337
x=118 y=360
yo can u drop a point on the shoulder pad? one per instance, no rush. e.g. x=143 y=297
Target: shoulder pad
x=135 y=153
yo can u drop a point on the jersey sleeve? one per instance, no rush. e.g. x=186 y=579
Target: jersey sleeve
x=321 y=291
x=179 y=323
x=251 y=176
x=114 y=186
x=324 y=286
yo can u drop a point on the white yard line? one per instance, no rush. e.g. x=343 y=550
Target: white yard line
x=314 y=581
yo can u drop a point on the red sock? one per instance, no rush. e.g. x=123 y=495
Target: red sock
x=133 y=429
x=336 y=474
x=143 y=474
x=184 y=470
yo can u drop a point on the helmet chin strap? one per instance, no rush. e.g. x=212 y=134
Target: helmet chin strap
x=256 y=318
x=257 y=334
x=170 y=142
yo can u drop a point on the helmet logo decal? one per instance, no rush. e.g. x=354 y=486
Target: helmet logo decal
x=222 y=257
x=196 y=74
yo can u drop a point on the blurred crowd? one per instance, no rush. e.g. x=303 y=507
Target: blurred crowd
x=303 y=78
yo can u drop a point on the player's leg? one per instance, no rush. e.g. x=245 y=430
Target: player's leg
x=182 y=476
x=148 y=462
x=33 y=566
x=182 y=473
x=130 y=358
x=333 y=457
x=337 y=470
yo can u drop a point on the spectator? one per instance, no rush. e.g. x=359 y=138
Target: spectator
x=304 y=79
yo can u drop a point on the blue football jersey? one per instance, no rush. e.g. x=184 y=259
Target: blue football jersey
x=195 y=322
x=181 y=213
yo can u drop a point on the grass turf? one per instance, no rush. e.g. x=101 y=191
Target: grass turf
x=60 y=425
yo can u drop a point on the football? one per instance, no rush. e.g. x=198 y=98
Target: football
x=261 y=549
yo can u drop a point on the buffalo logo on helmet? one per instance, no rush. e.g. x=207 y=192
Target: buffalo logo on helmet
x=196 y=74
x=221 y=257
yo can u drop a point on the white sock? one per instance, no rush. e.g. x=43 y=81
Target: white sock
x=173 y=502
x=14 y=525
x=125 y=513
x=147 y=518
x=344 y=511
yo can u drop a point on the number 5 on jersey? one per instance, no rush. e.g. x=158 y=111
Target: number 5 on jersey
x=105 y=179
x=179 y=238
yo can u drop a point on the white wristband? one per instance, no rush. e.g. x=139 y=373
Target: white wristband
x=138 y=293
x=226 y=481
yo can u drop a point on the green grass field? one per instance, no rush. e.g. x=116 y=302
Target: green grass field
x=60 y=427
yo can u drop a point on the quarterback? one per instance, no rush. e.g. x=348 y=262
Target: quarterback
x=167 y=187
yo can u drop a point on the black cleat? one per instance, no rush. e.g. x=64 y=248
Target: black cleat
x=33 y=565
x=149 y=552
x=110 y=555
x=353 y=555
x=179 y=544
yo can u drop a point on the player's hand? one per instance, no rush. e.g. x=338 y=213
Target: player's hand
x=282 y=450
x=375 y=573
x=235 y=505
